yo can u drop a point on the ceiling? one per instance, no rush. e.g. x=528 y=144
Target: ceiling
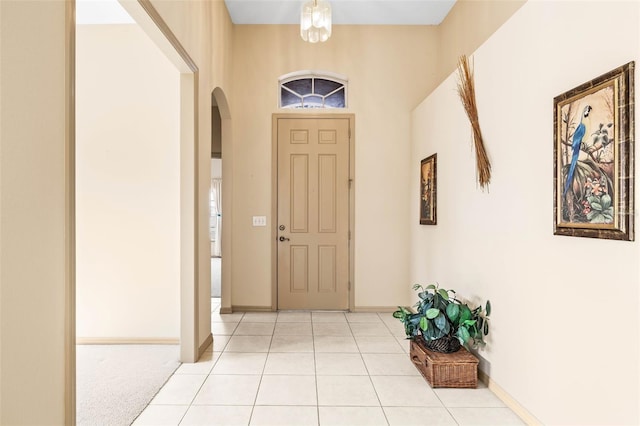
x=353 y=12
x=101 y=12
x=350 y=12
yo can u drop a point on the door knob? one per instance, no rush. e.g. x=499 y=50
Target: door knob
x=283 y=238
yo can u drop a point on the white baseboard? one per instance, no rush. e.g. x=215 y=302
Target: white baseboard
x=125 y=341
x=374 y=309
x=509 y=401
x=243 y=308
x=207 y=342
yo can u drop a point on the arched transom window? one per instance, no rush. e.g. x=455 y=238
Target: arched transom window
x=313 y=90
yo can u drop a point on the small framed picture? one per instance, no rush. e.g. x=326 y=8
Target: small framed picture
x=428 y=190
x=593 y=158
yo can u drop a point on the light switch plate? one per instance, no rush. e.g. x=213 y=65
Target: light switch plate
x=259 y=221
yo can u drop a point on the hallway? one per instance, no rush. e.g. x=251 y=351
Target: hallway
x=310 y=368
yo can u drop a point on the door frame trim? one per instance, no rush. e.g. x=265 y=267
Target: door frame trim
x=274 y=198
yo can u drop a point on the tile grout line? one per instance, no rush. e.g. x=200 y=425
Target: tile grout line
x=434 y=392
x=255 y=400
x=315 y=370
x=199 y=388
x=350 y=325
x=369 y=375
x=384 y=413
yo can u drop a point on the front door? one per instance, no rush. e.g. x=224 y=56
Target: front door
x=313 y=213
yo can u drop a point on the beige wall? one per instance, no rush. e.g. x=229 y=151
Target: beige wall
x=35 y=264
x=556 y=300
x=204 y=29
x=127 y=186
x=467 y=26
x=34 y=219
x=34 y=214
x=389 y=70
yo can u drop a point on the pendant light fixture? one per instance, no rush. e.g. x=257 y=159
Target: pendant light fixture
x=315 y=21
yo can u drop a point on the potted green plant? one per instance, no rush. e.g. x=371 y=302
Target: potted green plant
x=443 y=321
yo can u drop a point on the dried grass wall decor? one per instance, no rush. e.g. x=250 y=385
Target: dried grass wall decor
x=466 y=91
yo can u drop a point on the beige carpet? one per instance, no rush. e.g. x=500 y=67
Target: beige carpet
x=114 y=383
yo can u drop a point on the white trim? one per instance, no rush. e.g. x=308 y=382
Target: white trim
x=126 y=341
x=375 y=309
x=508 y=400
x=285 y=78
x=203 y=347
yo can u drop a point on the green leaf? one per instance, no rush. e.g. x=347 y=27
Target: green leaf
x=430 y=287
x=486 y=328
x=417 y=287
x=465 y=313
x=463 y=334
x=428 y=333
x=606 y=201
x=596 y=206
x=480 y=322
x=447 y=328
x=598 y=218
x=453 y=310
x=444 y=294
x=440 y=321
x=488 y=308
x=470 y=322
x=432 y=313
x=424 y=323
x=399 y=314
x=592 y=214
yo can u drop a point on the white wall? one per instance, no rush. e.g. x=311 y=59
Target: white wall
x=565 y=337
x=128 y=186
x=216 y=168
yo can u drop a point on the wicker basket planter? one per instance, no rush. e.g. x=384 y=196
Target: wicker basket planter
x=446 y=345
x=454 y=370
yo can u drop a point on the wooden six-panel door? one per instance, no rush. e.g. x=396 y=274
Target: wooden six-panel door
x=313 y=213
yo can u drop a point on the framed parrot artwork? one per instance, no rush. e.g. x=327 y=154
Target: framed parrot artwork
x=593 y=158
x=428 y=190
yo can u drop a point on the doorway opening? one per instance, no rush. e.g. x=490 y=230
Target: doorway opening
x=220 y=202
x=215 y=202
x=178 y=167
x=130 y=265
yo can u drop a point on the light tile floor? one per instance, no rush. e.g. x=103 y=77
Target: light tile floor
x=313 y=368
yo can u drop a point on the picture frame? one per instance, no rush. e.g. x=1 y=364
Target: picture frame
x=428 y=190
x=593 y=158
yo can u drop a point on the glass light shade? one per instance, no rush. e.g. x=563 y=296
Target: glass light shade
x=315 y=21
